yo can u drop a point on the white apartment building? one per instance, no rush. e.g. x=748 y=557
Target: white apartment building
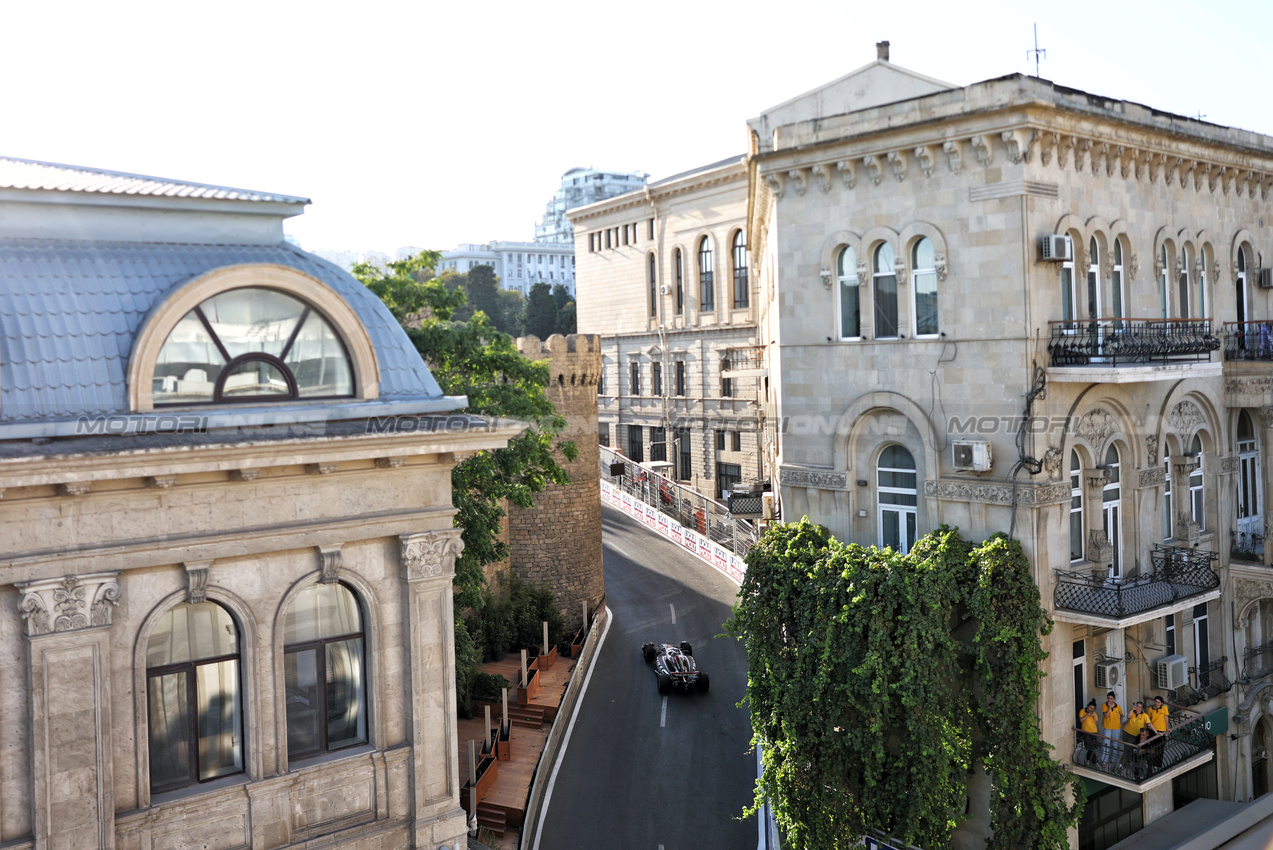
x=581 y=186
x=519 y=265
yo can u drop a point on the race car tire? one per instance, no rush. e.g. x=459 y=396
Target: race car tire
x=704 y=681
x=665 y=683
x=648 y=652
x=687 y=648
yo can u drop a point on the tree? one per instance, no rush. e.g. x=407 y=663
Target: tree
x=562 y=296
x=483 y=293
x=878 y=682
x=512 y=303
x=540 y=316
x=473 y=358
x=566 y=319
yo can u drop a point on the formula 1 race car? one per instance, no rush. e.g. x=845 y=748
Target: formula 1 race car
x=674 y=668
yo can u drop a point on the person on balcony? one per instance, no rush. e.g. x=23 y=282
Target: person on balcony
x=1158 y=715
x=1089 y=746
x=1135 y=723
x=1111 y=725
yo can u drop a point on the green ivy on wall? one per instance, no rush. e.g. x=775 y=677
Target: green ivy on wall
x=879 y=682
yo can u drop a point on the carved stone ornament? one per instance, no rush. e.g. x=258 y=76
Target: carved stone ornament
x=823 y=173
x=68 y=604
x=1151 y=447
x=1099 y=548
x=431 y=554
x=244 y=474
x=1134 y=267
x=826 y=277
x=954 y=160
x=329 y=563
x=797 y=180
x=774 y=182
x=897 y=160
x=872 y=165
x=161 y=482
x=1229 y=465
x=863 y=278
x=197 y=581
x=1201 y=176
x=1064 y=150
x=1096 y=426
x=1019 y=143
x=1246 y=591
x=924 y=158
x=1185 y=417
x=389 y=462
x=325 y=468
x=74 y=488
x=1047 y=146
x=1052 y=461
x=845 y=167
x=1154 y=476
x=1097 y=478
x=1252 y=386
x=1186 y=530
x=1100 y=155
x=981 y=147
x=792 y=476
x=899 y=270
x=939 y=266
x=996 y=494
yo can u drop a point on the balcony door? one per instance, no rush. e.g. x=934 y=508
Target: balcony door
x=1250 y=520
x=1112 y=511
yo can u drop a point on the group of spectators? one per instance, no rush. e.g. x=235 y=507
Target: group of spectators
x=1139 y=728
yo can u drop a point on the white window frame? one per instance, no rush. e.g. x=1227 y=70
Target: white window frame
x=1169 y=521
x=1197 y=486
x=902 y=512
x=1067 y=268
x=1118 y=307
x=847 y=276
x=877 y=275
x=1203 y=301
x=1076 y=505
x=1247 y=501
x=1183 y=286
x=1112 y=511
x=1164 y=285
x=916 y=274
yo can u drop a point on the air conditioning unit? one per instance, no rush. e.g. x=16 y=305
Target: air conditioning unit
x=1266 y=278
x=767 y=506
x=1109 y=674
x=665 y=289
x=971 y=455
x=1173 y=672
x=1056 y=248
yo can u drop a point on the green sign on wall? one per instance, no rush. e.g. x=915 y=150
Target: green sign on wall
x=1217 y=722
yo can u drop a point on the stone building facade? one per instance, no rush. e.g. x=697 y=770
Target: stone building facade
x=557 y=543
x=1017 y=307
x=225 y=583
x=663 y=277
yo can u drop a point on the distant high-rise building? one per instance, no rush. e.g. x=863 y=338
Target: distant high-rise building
x=519 y=265
x=581 y=186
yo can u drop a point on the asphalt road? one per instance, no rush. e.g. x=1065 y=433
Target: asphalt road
x=644 y=772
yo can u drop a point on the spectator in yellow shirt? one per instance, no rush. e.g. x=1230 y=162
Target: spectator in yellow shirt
x=1111 y=725
x=1088 y=745
x=1158 y=714
x=1138 y=720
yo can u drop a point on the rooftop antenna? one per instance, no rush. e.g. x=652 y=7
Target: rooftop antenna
x=1036 y=51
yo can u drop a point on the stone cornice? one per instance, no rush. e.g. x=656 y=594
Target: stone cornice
x=994 y=493
x=735 y=172
x=819 y=479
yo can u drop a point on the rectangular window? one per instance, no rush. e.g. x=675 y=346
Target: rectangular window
x=636 y=451
x=720 y=441
x=1169 y=628
x=680 y=377
x=727 y=475
x=658 y=437
x=738 y=441
x=656 y=379
x=1201 y=643
x=1076 y=513
x=634 y=378
x=650 y=231
x=684 y=449
x=603 y=435
x=726 y=387
x=607 y=237
x=625 y=234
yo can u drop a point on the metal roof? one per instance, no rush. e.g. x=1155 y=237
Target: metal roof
x=54 y=177
x=70 y=312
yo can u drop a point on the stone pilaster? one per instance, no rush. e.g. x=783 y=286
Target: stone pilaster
x=428 y=565
x=68 y=636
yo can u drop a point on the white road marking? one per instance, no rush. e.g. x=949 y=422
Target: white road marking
x=663 y=714
x=565 y=741
x=673 y=609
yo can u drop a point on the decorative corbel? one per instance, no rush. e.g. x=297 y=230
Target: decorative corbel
x=823 y=174
x=1081 y=154
x=1201 y=175
x=1108 y=268
x=325 y=468
x=389 y=462
x=329 y=563
x=897 y=159
x=845 y=167
x=1174 y=164
x=161 y=482
x=774 y=182
x=1186 y=172
x=197 y=581
x=1126 y=160
x=1226 y=178
x=796 y=176
x=826 y=277
x=872 y=164
x=1048 y=146
x=1100 y=158
x=244 y=474
x=939 y=265
x=1156 y=161
x=1019 y=143
x=924 y=158
x=1218 y=178
x=981 y=147
x=74 y=488
x=954 y=160
x=1215 y=269
x=1064 y=149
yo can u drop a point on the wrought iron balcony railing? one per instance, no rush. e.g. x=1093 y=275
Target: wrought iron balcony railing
x=1125 y=342
x=1246 y=545
x=1257 y=661
x=1208 y=681
x=1176 y=574
x=748 y=359
x=1248 y=341
x=1186 y=736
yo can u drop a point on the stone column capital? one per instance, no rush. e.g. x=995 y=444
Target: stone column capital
x=69 y=603
x=430 y=554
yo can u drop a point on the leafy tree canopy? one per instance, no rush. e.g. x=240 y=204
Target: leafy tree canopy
x=878 y=682
x=540 y=317
x=473 y=358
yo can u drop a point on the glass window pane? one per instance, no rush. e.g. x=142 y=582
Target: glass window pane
x=254 y=378
x=1067 y=293
x=885 y=306
x=321 y=611
x=220 y=725
x=169 y=716
x=850 y=312
x=190 y=633
x=304 y=702
x=924 y=254
x=317 y=359
x=848 y=264
x=187 y=366
x=251 y=320
x=891 y=532
x=884 y=258
x=896 y=457
x=926 y=304
x=346 y=719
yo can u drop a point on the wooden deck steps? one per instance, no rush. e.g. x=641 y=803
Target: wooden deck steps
x=492 y=817
x=526 y=716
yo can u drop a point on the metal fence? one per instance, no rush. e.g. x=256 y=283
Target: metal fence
x=688 y=507
x=1121 y=342
x=1186 y=736
x=1176 y=574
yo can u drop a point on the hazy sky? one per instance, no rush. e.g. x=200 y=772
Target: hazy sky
x=437 y=123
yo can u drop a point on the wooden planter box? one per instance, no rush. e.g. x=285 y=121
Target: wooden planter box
x=470 y=798
x=545 y=662
x=503 y=746
x=528 y=693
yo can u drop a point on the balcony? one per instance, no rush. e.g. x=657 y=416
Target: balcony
x=1257 y=661
x=746 y=362
x=1246 y=546
x=1248 y=364
x=1177 y=579
x=1119 y=351
x=1139 y=767
x=1209 y=681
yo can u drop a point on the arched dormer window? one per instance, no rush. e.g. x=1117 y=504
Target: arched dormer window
x=251 y=344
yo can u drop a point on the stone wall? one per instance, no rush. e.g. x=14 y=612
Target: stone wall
x=558 y=542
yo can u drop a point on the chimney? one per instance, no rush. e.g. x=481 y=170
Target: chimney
x=881 y=51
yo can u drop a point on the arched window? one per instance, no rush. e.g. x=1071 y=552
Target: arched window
x=251 y=344
x=1116 y=286
x=192 y=697
x=885 y=286
x=680 y=283
x=1093 y=280
x=1197 y=500
x=1183 y=292
x=1168 y=521
x=1111 y=511
x=924 y=282
x=1250 y=521
x=898 y=499
x=654 y=288
x=323 y=668
x=742 y=292
x=1200 y=288
x=1163 y=297
x=1241 y=291
x=706 y=288
x=1068 y=295
x=1076 y=507
x=846 y=267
